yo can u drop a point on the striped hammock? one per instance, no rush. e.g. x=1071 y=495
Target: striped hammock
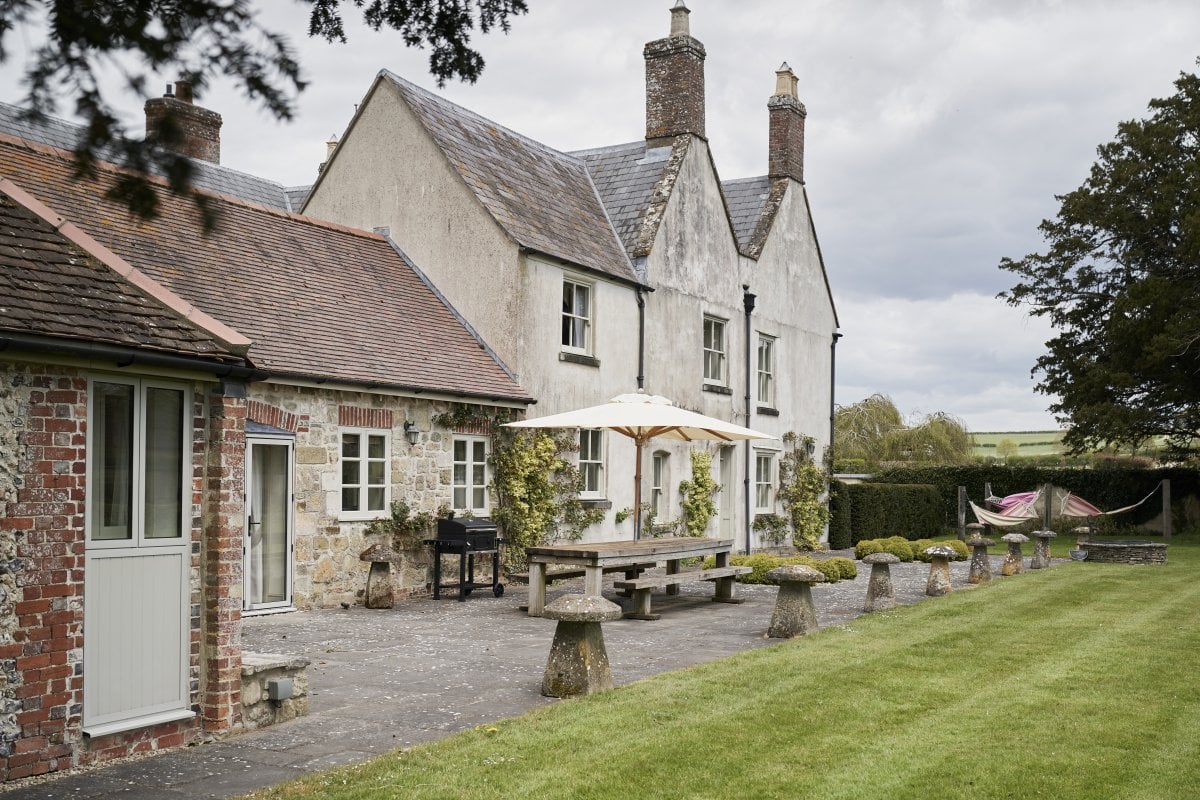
x=1017 y=509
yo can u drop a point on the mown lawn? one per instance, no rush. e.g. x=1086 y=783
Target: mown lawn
x=1078 y=682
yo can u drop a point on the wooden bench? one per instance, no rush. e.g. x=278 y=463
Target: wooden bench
x=552 y=575
x=643 y=586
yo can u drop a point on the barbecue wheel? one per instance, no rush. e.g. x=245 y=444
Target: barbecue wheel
x=498 y=590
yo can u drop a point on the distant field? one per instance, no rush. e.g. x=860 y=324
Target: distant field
x=1029 y=443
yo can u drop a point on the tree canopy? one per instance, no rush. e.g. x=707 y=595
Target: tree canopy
x=198 y=41
x=872 y=432
x=1120 y=283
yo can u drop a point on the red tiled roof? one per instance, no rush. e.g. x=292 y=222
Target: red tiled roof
x=51 y=286
x=318 y=300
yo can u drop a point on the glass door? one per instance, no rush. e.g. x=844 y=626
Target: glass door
x=268 y=540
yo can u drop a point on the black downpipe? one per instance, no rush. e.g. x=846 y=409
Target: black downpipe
x=641 y=303
x=832 y=404
x=748 y=304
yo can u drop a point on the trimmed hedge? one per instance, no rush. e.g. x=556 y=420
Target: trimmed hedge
x=879 y=510
x=1104 y=488
x=834 y=569
x=840 y=530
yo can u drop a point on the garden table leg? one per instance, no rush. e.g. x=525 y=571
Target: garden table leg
x=537 y=588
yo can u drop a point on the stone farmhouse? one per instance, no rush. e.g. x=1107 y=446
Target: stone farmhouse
x=197 y=425
x=617 y=268
x=193 y=428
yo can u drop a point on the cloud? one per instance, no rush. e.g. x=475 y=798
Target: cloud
x=968 y=355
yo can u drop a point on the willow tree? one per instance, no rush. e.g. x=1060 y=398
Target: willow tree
x=872 y=431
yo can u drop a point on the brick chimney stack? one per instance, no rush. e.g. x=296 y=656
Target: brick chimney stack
x=786 y=149
x=674 y=82
x=193 y=131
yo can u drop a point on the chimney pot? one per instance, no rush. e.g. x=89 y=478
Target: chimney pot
x=183 y=90
x=330 y=146
x=679 y=20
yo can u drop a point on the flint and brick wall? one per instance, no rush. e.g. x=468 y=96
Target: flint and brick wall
x=43 y=438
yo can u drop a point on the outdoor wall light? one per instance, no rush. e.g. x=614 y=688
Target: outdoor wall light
x=411 y=432
x=810 y=446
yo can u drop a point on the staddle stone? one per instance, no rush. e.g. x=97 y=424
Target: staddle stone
x=880 y=594
x=1014 y=563
x=981 y=566
x=1041 y=549
x=939 y=570
x=578 y=663
x=794 y=614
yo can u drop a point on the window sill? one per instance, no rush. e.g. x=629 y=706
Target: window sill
x=579 y=358
x=716 y=389
x=595 y=503
x=767 y=411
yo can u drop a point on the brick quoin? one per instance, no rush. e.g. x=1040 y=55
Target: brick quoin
x=225 y=470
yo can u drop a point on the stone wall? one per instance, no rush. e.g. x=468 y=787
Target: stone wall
x=258 y=670
x=327 y=569
x=1125 y=552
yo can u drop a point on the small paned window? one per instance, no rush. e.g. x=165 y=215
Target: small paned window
x=365 y=486
x=470 y=474
x=591 y=462
x=576 y=317
x=766 y=371
x=714 y=350
x=659 y=479
x=764 y=483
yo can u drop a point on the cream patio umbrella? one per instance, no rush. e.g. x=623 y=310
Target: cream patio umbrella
x=642 y=417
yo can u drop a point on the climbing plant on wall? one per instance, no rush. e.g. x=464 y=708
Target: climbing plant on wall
x=801 y=486
x=699 y=494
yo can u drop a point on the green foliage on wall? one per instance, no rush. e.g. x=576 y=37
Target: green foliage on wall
x=407 y=530
x=801 y=486
x=699 y=501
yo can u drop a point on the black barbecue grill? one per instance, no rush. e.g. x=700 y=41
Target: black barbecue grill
x=466 y=538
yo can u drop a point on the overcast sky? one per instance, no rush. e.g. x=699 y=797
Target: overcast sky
x=938 y=134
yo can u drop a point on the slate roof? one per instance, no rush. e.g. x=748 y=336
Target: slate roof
x=625 y=176
x=318 y=300
x=746 y=197
x=542 y=197
x=213 y=177
x=53 y=287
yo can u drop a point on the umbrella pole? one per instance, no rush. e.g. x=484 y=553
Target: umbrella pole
x=637 y=490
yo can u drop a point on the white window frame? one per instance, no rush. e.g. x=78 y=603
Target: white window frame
x=716 y=352
x=569 y=315
x=365 y=486
x=660 y=476
x=764 y=484
x=594 y=459
x=469 y=486
x=766 y=372
x=137 y=476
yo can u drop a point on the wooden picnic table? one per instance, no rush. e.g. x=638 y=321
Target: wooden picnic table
x=598 y=557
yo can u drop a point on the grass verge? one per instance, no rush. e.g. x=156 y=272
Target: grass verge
x=1075 y=682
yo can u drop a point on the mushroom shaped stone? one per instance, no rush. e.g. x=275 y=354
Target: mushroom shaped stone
x=981 y=565
x=939 y=569
x=582 y=608
x=880 y=595
x=578 y=662
x=796 y=573
x=1041 y=549
x=794 y=614
x=1013 y=562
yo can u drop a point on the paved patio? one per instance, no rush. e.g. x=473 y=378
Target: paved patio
x=425 y=669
